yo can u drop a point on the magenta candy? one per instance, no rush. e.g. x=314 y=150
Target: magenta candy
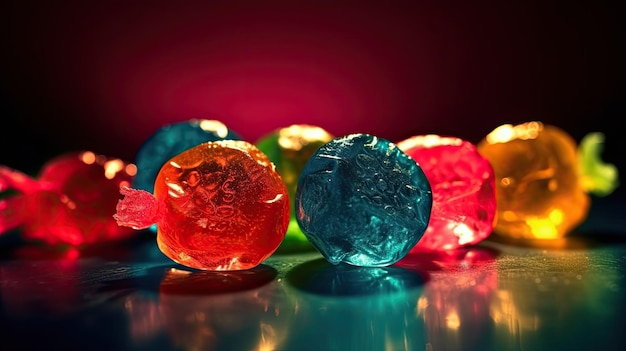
x=463 y=185
x=71 y=202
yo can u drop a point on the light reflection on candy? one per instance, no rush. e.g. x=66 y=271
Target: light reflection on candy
x=463 y=185
x=71 y=202
x=218 y=206
x=540 y=191
x=289 y=148
x=362 y=201
x=171 y=140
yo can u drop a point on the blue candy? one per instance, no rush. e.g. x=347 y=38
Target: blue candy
x=363 y=201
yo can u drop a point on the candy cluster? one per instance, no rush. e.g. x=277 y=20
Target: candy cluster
x=217 y=202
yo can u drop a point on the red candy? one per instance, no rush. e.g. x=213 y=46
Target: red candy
x=71 y=202
x=217 y=206
x=463 y=184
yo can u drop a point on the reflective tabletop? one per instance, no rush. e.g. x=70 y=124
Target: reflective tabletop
x=566 y=294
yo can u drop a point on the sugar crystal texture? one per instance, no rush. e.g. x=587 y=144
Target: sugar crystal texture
x=71 y=202
x=169 y=141
x=463 y=185
x=362 y=201
x=289 y=148
x=218 y=206
x=538 y=188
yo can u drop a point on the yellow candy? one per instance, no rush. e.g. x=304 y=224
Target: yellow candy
x=539 y=191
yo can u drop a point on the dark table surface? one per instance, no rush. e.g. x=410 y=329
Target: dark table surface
x=566 y=294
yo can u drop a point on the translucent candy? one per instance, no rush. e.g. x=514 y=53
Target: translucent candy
x=171 y=140
x=538 y=187
x=289 y=148
x=218 y=206
x=362 y=201
x=71 y=202
x=463 y=185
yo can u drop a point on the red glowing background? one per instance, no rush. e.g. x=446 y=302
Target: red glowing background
x=104 y=76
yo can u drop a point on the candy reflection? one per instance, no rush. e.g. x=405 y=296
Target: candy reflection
x=144 y=316
x=36 y=288
x=345 y=307
x=546 y=292
x=456 y=299
x=225 y=310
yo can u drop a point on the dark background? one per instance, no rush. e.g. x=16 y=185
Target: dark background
x=103 y=76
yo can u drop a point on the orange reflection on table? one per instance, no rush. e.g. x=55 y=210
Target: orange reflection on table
x=224 y=310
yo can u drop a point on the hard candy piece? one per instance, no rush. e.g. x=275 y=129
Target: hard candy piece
x=538 y=190
x=218 y=206
x=463 y=185
x=362 y=201
x=71 y=202
x=171 y=140
x=289 y=148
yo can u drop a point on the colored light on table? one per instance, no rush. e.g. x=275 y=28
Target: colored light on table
x=289 y=148
x=71 y=202
x=463 y=186
x=362 y=201
x=218 y=206
x=538 y=188
x=171 y=140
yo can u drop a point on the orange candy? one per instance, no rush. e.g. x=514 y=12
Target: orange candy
x=218 y=206
x=538 y=188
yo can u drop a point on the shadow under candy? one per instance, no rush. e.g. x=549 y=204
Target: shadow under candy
x=320 y=277
x=175 y=279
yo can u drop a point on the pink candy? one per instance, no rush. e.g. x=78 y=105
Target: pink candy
x=463 y=185
x=71 y=202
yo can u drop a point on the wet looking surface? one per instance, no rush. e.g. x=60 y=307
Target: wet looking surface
x=566 y=294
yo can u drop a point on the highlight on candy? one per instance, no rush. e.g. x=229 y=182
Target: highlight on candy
x=217 y=202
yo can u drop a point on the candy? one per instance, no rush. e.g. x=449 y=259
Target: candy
x=540 y=191
x=463 y=185
x=362 y=201
x=218 y=206
x=71 y=202
x=171 y=140
x=289 y=148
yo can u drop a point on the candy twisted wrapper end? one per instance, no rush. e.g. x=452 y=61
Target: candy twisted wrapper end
x=138 y=209
x=11 y=207
x=14 y=179
x=597 y=177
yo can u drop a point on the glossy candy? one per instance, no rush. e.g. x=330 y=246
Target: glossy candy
x=218 y=206
x=171 y=140
x=362 y=201
x=463 y=185
x=541 y=191
x=71 y=202
x=289 y=148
